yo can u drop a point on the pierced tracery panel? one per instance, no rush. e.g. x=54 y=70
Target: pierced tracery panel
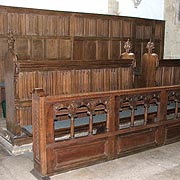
x=81 y=118
x=139 y=109
x=173 y=106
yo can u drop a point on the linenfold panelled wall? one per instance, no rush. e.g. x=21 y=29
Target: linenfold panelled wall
x=42 y=35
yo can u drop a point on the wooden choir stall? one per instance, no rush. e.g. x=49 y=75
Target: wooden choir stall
x=84 y=88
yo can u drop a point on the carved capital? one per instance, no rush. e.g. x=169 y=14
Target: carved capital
x=72 y=109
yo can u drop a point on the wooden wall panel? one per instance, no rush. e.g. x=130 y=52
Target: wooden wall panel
x=51 y=49
x=63 y=25
x=167 y=73
x=65 y=48
x=55 y=82
x=3 y=23
x=78 y=50
x=116 y=28
x=23 y=48
x=38 y=28
x=22 y=24
x=90 y=49
x=32 y=25
x=3 y=51
x=103 y=47
x=139 y=32
x=4 y=47
x=17 y=23
x=27 y=81
x=97 y=80
x=81 y=81
x=127 y=27
x=107 y=79
x=103 y=27
x=116 y=49
x=24 y=115
x=91 y=27
x=135 y=140
x=158 y=49
x=13 y=22
x=49 y=25
x=38 y=48
x=148 y=32
x=139 y=53
x=158 y=31
x=113 y=78
x=78 y=26
x=127 y=78
x=45 y=25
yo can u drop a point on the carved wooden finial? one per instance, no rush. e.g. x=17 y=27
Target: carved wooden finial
x=150 y=46
x=11 y=40
x=127 y=46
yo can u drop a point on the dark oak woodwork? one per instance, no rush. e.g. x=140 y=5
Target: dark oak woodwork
x=58 y=77
x=86 y=147
x=168 y=72
x=44 y=35
x=150 y=62
x=78 y=60
x=69 y=50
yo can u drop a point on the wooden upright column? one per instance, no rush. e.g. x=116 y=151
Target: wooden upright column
x=129 y=55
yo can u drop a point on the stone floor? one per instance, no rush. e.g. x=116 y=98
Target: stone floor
x=155 y=164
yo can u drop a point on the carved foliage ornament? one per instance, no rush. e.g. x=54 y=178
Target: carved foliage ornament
x=127 y=46
x=150 y=46
x=174 y=95
x=73 y=106
x=11 y=40
x=133 y=100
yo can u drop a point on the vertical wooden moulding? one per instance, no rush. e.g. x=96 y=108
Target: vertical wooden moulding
x=10 y=89
x=160 y=134
x=112 y=126
x=39 y=130
x=162 y=108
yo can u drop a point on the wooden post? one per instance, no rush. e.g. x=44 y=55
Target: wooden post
x=162 y=112
x=113 y=124
x=149 y=64
x=39 y=130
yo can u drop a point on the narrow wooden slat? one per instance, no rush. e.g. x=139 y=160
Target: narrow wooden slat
x=90 y=124
x=72 y=133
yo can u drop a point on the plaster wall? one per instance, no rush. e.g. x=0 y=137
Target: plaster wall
x=172 y=33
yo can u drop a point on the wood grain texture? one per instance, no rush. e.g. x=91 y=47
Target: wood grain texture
x=43 y=34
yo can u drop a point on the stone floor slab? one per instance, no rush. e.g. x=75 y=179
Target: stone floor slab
x=159 y=163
